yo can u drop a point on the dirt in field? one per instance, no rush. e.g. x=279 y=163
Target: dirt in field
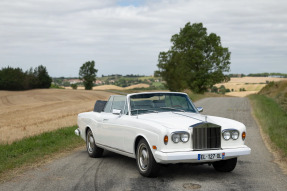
x=26 y=113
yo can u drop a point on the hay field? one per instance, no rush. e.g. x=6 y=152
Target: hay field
x=250 y=84
x=26 y=113
x=113 y=87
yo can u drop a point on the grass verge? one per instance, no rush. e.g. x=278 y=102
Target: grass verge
x=272 y=119
x=34 y=149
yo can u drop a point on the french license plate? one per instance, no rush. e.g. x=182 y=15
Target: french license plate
x=211 y=156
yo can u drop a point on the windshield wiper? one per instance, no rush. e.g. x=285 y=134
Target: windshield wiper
x=172 y=109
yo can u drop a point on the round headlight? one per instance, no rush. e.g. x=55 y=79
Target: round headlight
x=226 y=135
x=175 y=138
x=184 y=137
x=235 y=135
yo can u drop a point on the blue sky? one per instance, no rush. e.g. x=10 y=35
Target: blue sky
x=125 y=37
x=135 y=3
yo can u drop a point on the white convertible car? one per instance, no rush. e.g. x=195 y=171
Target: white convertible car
x=161 y=128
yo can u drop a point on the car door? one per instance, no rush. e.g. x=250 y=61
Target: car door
x=112 y=132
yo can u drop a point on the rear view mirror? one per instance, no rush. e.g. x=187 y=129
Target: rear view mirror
x=117 y=111
x=200 y=109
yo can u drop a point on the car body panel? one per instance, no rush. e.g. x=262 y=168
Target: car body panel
x=119 y=132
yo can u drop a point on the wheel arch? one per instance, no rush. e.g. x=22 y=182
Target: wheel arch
x=137 y=140
x=86 y=131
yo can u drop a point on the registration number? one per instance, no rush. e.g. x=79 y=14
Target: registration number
x=211 y=156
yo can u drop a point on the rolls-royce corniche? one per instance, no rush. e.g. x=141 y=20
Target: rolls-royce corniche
x=161 y=128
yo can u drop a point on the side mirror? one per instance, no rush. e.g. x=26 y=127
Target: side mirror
x=117 y=111
x=200 y=109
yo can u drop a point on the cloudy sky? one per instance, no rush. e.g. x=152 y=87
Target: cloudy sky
x=125 y=36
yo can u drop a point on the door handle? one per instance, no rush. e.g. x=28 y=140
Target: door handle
x=105 y=119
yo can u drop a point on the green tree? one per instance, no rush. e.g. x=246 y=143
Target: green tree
x=88 y=73
x=12 y=79
x=43 y=80
x=195 y=60
x=16 y=79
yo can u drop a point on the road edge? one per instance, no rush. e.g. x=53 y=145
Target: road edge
x=19 y=172
x=275 y=151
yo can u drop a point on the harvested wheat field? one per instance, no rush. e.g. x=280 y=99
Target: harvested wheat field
x=113 y=87
x=252 y=85
x=26 y=113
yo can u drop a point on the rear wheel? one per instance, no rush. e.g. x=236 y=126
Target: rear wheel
x=225 y=165
x=146 y=164
x=92 y=148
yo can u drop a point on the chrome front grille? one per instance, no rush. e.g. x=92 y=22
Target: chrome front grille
x=206 y=138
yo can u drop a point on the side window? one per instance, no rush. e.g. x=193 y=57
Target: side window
x=119 y=103
x=109 y=105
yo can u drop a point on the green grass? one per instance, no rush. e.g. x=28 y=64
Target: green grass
x=157 y=84
x=34 y=149
x=273 y=120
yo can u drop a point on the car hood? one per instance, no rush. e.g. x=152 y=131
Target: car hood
x=183 y=120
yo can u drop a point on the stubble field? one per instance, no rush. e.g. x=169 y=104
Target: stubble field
x=27 y=113
x=252 y=85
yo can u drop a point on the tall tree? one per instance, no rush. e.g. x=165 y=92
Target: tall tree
x=195 y=60
x=12 y=79
x=43 y=80
x=88 y=74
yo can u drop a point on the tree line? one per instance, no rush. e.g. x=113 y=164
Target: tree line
x=16 y=79
x=265 y=74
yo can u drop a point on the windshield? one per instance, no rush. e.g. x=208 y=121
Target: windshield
x=160 y=102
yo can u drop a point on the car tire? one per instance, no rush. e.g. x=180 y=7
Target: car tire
x=225 y=165
x=93 y=150
x=146 y=163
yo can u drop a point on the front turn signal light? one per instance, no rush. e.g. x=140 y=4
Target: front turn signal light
x=165 y=140
x=243 y=136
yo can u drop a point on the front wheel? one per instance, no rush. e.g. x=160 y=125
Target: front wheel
x=146 y=164
x=225 y=165
x=92 y=148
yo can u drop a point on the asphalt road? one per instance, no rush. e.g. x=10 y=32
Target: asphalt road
x=115 y=172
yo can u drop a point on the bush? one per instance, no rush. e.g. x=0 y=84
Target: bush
x=214 y=89
x=242 y=89
x=56 y=86
x=74 y=86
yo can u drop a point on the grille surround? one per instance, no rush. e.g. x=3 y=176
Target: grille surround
x=206 y=136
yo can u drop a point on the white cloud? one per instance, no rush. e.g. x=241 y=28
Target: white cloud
x=63 y=34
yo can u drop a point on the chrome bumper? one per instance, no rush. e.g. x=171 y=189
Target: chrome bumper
x=192 y=156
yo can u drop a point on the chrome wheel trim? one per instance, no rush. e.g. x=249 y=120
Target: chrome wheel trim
x=90 y=142
x=143 y=157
